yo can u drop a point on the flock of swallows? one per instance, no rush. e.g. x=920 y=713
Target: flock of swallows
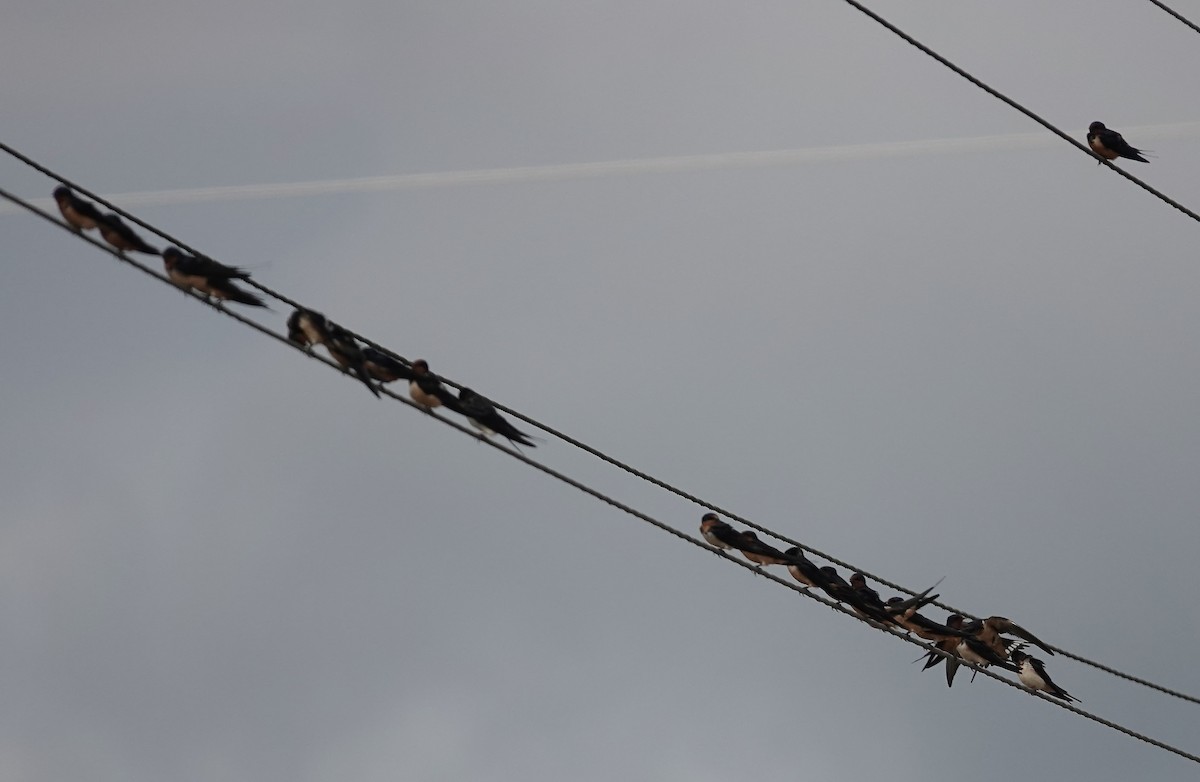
x=980 y=642
x=306 y=328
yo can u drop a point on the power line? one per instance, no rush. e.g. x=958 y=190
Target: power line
x=1175 y=14
x=1004 y=98
x=562 y=477
x=520 y=416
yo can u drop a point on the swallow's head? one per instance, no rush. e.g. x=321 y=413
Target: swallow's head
x=420 y=367
x=954 y=621
x=711 y=518
x=795 y=551
x=895 y=601
x=62 y=193
x=171 y=256
x=830 y=571
x=750 y=535
x=1017 y=656
x=1096 y=127
x=858 y=580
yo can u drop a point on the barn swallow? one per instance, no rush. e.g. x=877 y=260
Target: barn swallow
x=1032 y=673
x=906 y=607
x=426 y=390
x=213 y=279
x=1110 y=145
x=718 y=533
x=114 y=231
x=949 y=646
x=802 y=568
x=80 y=214
x=892 y=611
x=307 y=328
x=761 y=553
x=482 y=414
x=989 y=632
x=346 y=352
x=868 y=597
x=921 y=625
x=840 y=590
x=383 y=367
x=976 y=652
x=835 y=586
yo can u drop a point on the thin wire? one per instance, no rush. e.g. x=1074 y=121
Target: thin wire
x=532 y=422
x=1002 y=97
x=1175 y=14
x=582 y=487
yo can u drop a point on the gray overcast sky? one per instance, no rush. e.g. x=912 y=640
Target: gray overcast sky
x=221 y=561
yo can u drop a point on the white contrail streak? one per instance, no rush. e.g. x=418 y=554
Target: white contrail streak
x=658 y=165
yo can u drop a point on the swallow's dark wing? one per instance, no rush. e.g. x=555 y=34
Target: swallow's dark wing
x=385 y=368
x=915 y=602
x=346 y=351
x=226 y=288
x=1117 y=143
x=1009 y=626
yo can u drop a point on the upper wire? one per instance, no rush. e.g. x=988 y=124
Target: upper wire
x=1176 y=14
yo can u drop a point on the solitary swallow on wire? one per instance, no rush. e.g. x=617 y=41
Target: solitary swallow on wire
x=114 y=231
x=213 y=279
x=383 y=367
x=307 y=328
x=1110 y=145
x=426 y=390
x=1032 y=673
x=482 y=414
x=80 y=214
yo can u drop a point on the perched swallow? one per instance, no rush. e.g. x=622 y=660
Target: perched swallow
x=482 y=414
x=981 y=654
x=1110 y=145
x=835 y=586
x=307 y=328
x=906 y=607
x=802 y=568
x=383 y=367
x=840 y=590
x=761 y=553
x=80 y=214
x=346 y=352
x=869 y=598
x=114 y=231
x=1032 y=673
x=989 y=632
x=718 y=533
x=921 y=625
x=426 y=390
x=213 y=279
x=949 y=646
